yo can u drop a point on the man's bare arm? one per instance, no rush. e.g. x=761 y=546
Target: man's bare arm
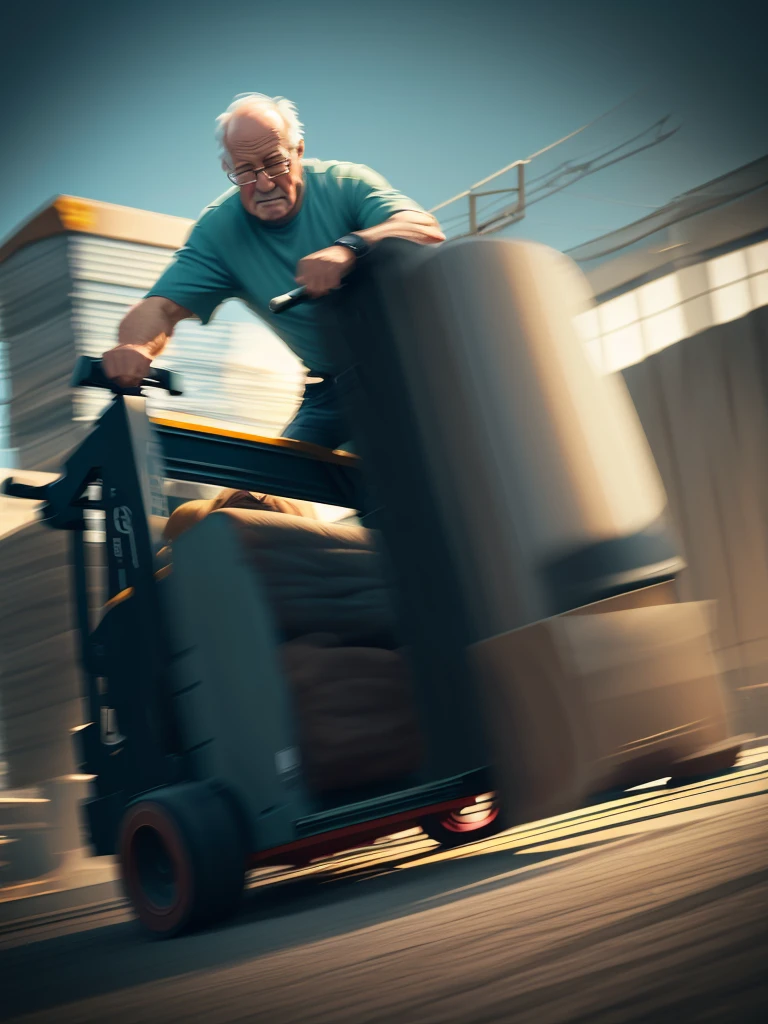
x=411 y=224
x=143 y=334
x=323 y=270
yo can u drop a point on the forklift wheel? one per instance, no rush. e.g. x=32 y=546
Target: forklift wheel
x=183 y=857
x=468 y=825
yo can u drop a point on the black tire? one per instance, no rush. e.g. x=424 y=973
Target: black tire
x=469 y=825
x=183 y=857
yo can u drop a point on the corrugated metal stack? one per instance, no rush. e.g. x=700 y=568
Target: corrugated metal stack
x=40 y=351
x=67 y=278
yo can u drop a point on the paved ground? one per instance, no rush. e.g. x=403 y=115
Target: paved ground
x=652 y=908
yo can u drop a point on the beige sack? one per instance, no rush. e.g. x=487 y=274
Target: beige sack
x=582 y=703
x=189 y=513
x=355 y=713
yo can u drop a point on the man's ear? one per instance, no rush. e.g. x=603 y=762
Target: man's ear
x=300 y=149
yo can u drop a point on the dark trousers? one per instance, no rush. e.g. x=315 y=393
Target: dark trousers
x=318 y=419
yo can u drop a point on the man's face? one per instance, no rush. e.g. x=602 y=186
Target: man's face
x=255 y=139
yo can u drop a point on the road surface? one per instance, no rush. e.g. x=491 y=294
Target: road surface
x=650 y=908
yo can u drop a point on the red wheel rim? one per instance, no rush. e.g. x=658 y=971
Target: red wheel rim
x=469 y=819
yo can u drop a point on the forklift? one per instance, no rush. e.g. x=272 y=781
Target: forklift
x=203 y=779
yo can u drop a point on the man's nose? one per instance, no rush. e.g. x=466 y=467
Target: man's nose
x=263 y=183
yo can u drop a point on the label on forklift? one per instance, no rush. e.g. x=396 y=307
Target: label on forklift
x=122 y=519
x=158 y=500
x=288 y=762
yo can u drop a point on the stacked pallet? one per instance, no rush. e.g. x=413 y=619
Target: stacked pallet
x=27 y=837
x=39 y=680
x=40 y=349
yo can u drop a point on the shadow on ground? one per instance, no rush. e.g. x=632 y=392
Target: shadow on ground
x=44 y=972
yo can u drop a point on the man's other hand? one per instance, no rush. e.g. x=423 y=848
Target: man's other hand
x=126 y=365
x=322 y=271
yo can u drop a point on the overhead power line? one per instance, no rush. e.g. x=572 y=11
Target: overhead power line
x=492 y=210
x=579 y=171
x=533 y=156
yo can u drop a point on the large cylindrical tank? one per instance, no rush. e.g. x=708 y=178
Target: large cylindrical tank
x=538 y=469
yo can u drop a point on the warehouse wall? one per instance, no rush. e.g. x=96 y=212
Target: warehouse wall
x=703 y=403
x=687 y=300
x=686 y=324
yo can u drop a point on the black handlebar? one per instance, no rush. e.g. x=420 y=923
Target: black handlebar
x=282 y=302
x=88 y=373
x=15 y=489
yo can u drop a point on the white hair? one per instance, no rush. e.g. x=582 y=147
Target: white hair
x=294 y=129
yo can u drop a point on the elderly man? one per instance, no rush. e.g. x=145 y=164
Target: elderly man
x=286 y=221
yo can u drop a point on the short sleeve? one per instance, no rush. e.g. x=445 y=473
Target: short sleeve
x=196 y=279
x=374 y=200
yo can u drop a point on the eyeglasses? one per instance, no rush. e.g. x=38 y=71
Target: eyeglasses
x=274 y=170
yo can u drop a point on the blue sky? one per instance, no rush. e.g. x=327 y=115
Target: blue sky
x=118 y=104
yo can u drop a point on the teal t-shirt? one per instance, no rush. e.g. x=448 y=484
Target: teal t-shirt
x=232 y=254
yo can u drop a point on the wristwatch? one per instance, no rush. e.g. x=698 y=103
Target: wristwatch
x=356 y=243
